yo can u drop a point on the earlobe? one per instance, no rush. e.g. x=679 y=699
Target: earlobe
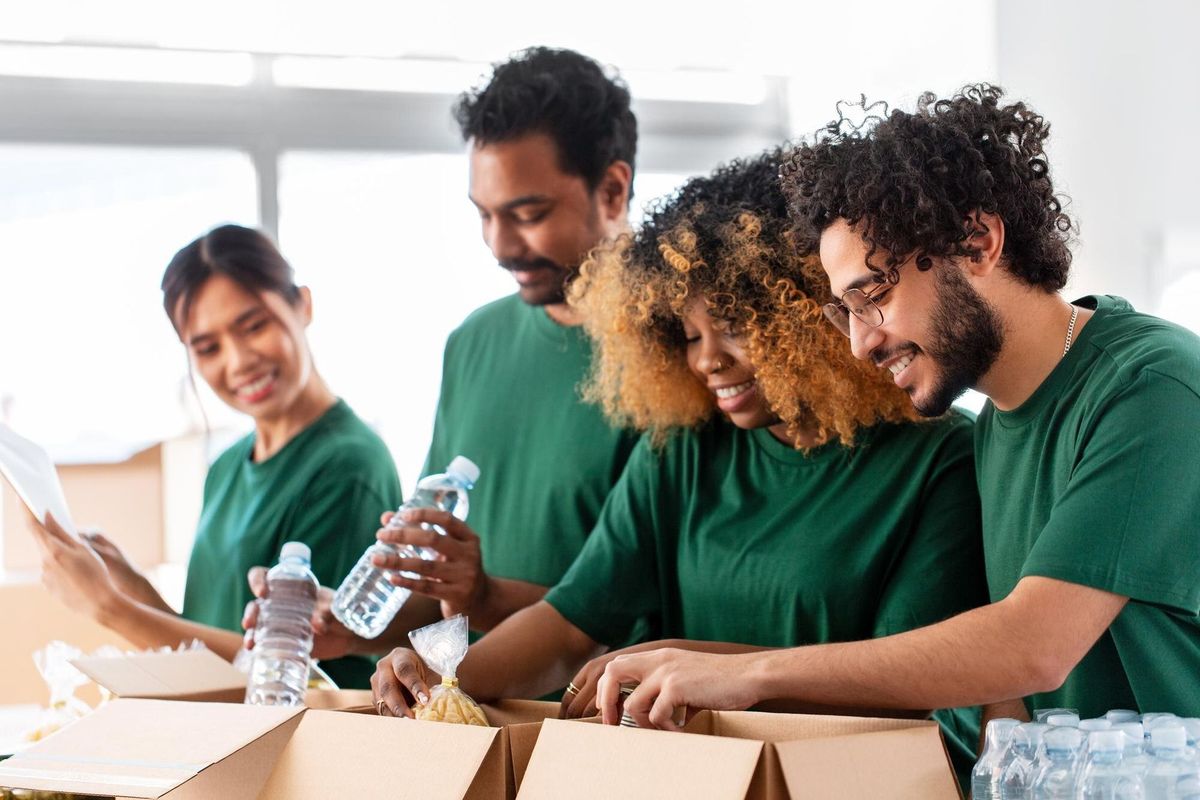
x=306 y=308
x=986 y=237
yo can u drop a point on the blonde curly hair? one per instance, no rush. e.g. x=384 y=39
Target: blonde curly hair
x=723 y=238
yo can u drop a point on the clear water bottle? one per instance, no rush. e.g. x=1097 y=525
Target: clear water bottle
x=1135 y=758
x=1017 y=781
x=1102 y=777
x=1065 y=720
x=1170 y=766
x=1043 y=714
x=1118 y=715
x=985 y=776
x=1056 y=779
x=283 y=636
x=367 y=601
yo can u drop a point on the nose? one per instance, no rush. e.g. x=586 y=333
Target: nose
x=863 y=338
x=503 y=240
x=711 y=358
x=240 y=358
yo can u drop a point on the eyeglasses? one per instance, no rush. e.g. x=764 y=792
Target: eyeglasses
x=862 y=305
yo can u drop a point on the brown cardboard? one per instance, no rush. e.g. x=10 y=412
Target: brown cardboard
x=340 y=700
x=740 y=755
x=30 y=618
x=158 y=749
x=180 y=675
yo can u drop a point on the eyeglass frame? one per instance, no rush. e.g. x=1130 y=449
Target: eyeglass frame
x=838 y=310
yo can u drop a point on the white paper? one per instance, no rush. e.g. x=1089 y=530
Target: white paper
x=31 y=473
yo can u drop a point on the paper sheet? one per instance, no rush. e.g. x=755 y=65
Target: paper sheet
x=31 y=473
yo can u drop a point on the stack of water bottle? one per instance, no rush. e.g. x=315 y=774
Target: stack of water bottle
x=1123 y=755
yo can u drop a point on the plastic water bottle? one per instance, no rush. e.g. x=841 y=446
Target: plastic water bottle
x=1017 y=781
x=986 y=774
x=1043 y=714
x=1062 y=720
x=1056 y=780
x=283 y=636
x=1102 y=778
x=1170 y=766
x=1135 y=758
x=367 y=601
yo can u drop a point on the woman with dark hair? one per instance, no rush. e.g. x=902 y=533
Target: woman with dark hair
x=783 y=493
x=311 y=471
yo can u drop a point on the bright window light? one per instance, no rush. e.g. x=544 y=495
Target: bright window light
x=126 y=64
x=378 y=74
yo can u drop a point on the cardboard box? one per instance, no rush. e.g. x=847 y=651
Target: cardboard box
x=178 y=675
x=173 y=749
x=739 y=755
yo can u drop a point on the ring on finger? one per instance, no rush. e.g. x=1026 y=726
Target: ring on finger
x=379 y=707
x=572 y=688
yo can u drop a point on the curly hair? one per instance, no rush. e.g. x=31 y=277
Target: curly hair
x=914 y=184
x=560 y=93
x=723 y=238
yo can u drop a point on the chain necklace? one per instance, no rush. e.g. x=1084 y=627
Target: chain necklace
x=1071 y=329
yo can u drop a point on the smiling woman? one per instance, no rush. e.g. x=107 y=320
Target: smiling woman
x=311 y=471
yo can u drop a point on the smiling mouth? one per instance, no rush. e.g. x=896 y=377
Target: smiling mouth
x=902 y=364
x=255 y=389
x=726 y=392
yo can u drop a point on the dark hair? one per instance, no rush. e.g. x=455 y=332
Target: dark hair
x=560 y=93
x=247 y=257
x=915 y=182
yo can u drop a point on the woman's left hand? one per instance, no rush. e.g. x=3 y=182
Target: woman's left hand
x=72 y=571
x=582 y=702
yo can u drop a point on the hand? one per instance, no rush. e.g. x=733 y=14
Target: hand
x=668 y=679
x=400 y=677
x=331 y=639
x=456 y=577
x=72 y=571
x=582 y=703
x=124 y=574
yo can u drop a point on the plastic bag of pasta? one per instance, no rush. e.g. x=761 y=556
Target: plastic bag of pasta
x=443 y=646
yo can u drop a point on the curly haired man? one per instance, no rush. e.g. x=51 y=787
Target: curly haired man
x=946 y=247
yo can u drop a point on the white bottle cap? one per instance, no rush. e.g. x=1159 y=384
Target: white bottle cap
x=1131 y=729
x=1171 y=737
x=1062 y=738
x=1122 y=715
x=1106 y=741
x=1063 y=720
x=465 y=467
x=1090 y=725
x=295 y=550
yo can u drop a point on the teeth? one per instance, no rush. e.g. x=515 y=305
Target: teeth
x=256 y=387
x=734 y=391
x=900 y=365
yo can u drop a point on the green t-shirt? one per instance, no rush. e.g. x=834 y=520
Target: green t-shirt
x=1095 y=480
x=731 y=535
x=326 y=488
x=510 y=402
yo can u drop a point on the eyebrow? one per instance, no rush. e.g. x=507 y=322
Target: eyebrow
x=517 y=202
x=241 y=318
x=858 y=283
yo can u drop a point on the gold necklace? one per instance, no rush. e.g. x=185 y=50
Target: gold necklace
x=1071 y=329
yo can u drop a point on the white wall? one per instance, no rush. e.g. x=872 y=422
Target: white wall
x=1118 y=82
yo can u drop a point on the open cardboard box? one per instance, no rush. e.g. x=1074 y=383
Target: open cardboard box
x=136 y=748
x=175 y=675
x=743 y=754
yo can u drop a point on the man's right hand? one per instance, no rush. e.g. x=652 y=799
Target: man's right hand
x=400 y=678
x=331 y=639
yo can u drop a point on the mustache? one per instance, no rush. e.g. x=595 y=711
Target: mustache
x=528 y=265
x=878 y=356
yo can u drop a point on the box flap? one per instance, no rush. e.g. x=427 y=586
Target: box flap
x=333 y=754
x=140 y=748
x=582 y=760
x=186 y=674
x=340 y=699
x=771 y=727
x=907 y=763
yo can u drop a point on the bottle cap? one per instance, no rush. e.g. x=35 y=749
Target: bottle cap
x=1063 y=738
x=1028 y=734
x=1106 y=742
x=1121 y=715
x=295 y=550
x=1000 y=729
x=1192 y=726
x=1170 y=737
x=1041 y=714
x=1063 y=720
x=464 y=467
x=1090 y=725
x=1132 y=730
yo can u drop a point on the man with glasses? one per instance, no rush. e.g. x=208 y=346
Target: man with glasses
x=946 y=247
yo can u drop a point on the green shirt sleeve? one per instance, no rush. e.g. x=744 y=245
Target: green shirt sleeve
x=944 y=548
x=612 y=590
x=1128 y=518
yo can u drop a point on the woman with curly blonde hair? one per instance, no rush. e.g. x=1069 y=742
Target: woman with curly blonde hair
x=782 y=494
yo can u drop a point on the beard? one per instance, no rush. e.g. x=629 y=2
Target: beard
x=966 y=336
x=548 y=286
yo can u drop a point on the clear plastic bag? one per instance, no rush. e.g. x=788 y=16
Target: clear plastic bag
x=54 y=663
x=443 y=646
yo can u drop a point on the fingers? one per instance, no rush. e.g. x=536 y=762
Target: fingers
x=257 y=578
x=52 y=531
x=453 y=527
x=398 y=678
x=412 y=535
x=386 y=517
x=250 y=616
x=608 y=695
